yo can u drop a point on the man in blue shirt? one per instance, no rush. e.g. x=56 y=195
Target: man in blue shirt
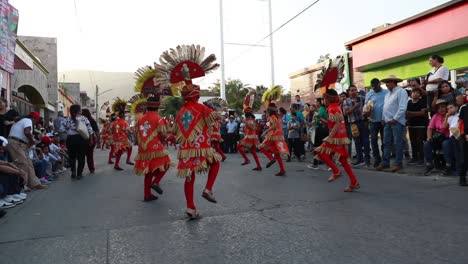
x=394 y=118
x=377 y=96
x=295 y=108
x=231 y=127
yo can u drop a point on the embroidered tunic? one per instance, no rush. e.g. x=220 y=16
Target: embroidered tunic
x=338 y=145
x=216 y=132
x=152 y=155
x=119 y=135
x=251 y=134
x=274 y=140
x=192 y=133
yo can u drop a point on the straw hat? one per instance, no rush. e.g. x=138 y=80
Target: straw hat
x=392 y=78
x=441 y=101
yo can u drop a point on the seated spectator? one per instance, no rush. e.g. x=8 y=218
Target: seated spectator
x=58 y=151
x=445 y=92
x=462 y=84
x=437 y=137
x=11 y=181
x=40 y=165
x=417 y=124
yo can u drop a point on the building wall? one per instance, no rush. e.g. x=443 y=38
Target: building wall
x=455 y=58
x=72 y=90
x=31 y=79
x=46 y=50
x=431 y=31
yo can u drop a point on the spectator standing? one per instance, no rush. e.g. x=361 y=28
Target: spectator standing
x=231 y=127
x=438 y=74
x=321 y=127
x=76 y=144
x=223 y=131
x=294 y=140
x=353 y=107
x=299 y=102
x=437 y=137
x=376 y=98
x=21 y=140
x=394 y=118
x=58 y=126
x=93 y=142
x=445 y=92
x=451 y=122
x=417 y=125
x=285 y=119
x=296 y=108
x=464 y=143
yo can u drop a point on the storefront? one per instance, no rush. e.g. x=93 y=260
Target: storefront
x=403 y=48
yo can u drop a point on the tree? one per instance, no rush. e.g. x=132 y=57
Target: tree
x=171 y=105
x=235 y=93
x=323 y=58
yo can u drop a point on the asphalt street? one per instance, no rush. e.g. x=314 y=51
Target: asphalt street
x=259 y=218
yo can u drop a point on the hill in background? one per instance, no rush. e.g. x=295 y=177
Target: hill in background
x=121 y=83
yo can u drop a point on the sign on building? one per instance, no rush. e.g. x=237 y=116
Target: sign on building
x=8 y=31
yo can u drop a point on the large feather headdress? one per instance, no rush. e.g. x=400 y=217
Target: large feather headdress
x=183 y=64
x=216 y=102
x=272 y=95
x=332 y=71
x=119 y=105
x=136 y=105
x=144 y=79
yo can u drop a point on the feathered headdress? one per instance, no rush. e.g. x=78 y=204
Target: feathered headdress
x=136 y=105
x=144 y=79
x=179 y=66
x=249 y=101
x=330 y=75
x=216 y=102
x=119 y=105
x=272 y=95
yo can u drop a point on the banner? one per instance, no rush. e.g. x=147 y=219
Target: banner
x=9 y=18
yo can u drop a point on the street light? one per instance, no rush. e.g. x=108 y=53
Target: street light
x=97 y=102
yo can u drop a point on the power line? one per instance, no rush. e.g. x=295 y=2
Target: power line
x=274 y=31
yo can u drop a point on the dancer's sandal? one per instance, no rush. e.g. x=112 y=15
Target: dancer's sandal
x=334 y=177
x=281 y=173
x=257 y=169
x=157 y=188
x=208 y=195
x=271 y=163
x=149 y=199
x=192 y=214
x=352 y=188
x=245 y=163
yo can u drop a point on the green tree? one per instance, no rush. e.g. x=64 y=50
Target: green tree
x=171 y=105
x=236 y=91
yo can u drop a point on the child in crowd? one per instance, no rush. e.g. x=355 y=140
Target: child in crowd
x=294 y=137
x=451 y=122
x=40 y=166
x=52 y=161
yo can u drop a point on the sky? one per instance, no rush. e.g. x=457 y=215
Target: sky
x=121 y=36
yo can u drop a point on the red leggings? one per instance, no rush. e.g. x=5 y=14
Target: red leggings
x=111 y=153
x=277 y=157
x=253 y=150
x=217 y=147
x=158 y=175
x=344 y=162
x=189 y=184
x=129 y=153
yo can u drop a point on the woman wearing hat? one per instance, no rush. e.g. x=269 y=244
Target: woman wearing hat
x=336 y=142
x=437 y=138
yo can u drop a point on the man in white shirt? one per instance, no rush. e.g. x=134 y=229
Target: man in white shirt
x=231 y=136
x=20 y=141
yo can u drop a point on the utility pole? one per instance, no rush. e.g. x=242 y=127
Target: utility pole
x=272 y=53
x=221 y=25
x=97 y=100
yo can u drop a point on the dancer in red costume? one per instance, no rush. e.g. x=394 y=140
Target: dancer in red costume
x=111 y=139
x=274 y=140
x=251 y=129
x=120 y=138
x=215 y=133
x=336 y=143
x=152 y=159
x=171 y=139
x=193 y=121
x=104 y=134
